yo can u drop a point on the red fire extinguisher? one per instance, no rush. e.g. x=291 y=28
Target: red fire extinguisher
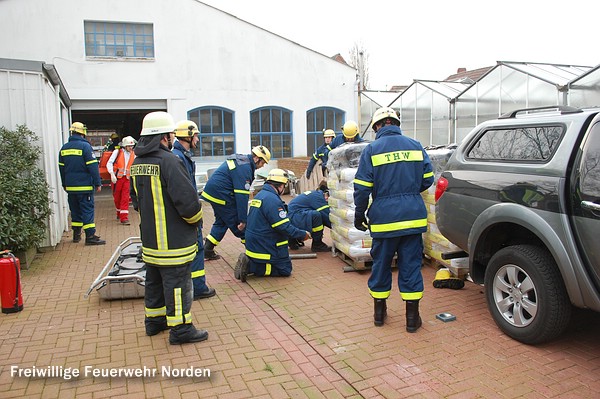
x=10 y=282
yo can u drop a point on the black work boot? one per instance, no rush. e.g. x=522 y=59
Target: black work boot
x=94 y=240
x=241 y=268
x=155 y=328
x=186 y=334
x=76 y=234
x=319 y=246
x=209 y=250
x=293 y=244
x=380 y=311
x=413 y=320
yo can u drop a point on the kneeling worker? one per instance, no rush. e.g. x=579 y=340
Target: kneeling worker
x=267 y=232
x=310 y=211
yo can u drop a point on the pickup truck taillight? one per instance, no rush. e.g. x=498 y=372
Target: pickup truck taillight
x=440 y=188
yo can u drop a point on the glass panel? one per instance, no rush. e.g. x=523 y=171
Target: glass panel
x=330 y=120
x=254 y=140
x=287 y=145
x=528 y=144
x=276 y=146
x=310 y=121
x=275 y=120
x=320 y=125
x=255 y=121
x=205 y=122
x=286 y=126
x=227 y=122
x=265 y=120
x=216 y=121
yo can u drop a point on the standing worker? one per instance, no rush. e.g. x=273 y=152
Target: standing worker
x=113 y=143
x=268 y=230
x=119 y=166
x=349 y=135
x=322 y=153
x=310 y=211
x=228 y=190
x=79 y=174
x=393 y=170
x=170 y=214
x=186 y=133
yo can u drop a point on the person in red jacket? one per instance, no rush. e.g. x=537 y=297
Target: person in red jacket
x=118 y=166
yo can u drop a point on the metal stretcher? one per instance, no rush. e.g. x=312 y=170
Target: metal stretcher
x=124 y=275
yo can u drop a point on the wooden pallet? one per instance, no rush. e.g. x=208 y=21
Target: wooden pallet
x=353 y=265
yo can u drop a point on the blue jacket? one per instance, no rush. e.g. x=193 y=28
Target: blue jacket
x=79 y=172
x=308 y=201
x=269 y=227
x=186 y=157
x=230 y=184
x=321 y=153
x=394 y=170
x=340 y=139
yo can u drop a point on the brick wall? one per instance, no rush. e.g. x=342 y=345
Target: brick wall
x=297 y=165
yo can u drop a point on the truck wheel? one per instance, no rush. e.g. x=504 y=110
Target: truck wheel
x=526 y=295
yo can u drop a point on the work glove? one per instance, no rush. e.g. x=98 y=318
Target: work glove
x=307 y=174
x=360 y=222
x=113 y=178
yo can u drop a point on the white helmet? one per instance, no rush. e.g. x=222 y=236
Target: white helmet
x=128 y=141
x=157 y=122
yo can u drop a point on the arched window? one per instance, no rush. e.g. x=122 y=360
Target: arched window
x=272 y=127
x=217 y=131
x=318 y=119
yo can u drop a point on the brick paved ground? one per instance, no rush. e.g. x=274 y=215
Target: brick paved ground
x=307 y=336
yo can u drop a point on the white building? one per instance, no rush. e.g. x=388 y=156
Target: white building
x=120 y=59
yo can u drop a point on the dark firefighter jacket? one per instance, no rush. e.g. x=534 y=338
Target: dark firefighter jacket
x=321 y=153
x=341 y=139
x=188 y=162
x=230 y=184
x=301 y=205
x=394 y=170
x=269 y=227
x=78 y=167
x=168 y=204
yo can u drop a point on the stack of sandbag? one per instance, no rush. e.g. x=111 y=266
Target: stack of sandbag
x=434 y=242
x=342 y=166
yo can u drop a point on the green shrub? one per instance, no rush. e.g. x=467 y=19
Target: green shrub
x=24 y=192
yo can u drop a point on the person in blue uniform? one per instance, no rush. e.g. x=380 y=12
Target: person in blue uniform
x=80 y=177
x=186 y=133
x=349 y=135
x=393 y=170
x=310 y=211
x=322 y=154
x=228 y=190
x=267 y=232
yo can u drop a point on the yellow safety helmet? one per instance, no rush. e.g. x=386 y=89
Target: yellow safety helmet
x=128 y=141
x=384 y=113
x=186 y=129
x=78 y=127
x=157 y=122
x=277 y=176
x=328 y=133
x=262 y=152
x=114 y=136
x=350 y=129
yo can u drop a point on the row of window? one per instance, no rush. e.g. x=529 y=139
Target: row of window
x=269 y=126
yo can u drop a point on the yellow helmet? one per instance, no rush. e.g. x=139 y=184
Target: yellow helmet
x=328 y=133
x=114 y=136
x=278 y=176
x=78 y=127
x=186 y=129
x=262 y=152
x=384 y=113
x=128 y=141
x=157 y=122
x=350 y=129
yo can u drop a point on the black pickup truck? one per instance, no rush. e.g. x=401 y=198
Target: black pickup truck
x=521 y=197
